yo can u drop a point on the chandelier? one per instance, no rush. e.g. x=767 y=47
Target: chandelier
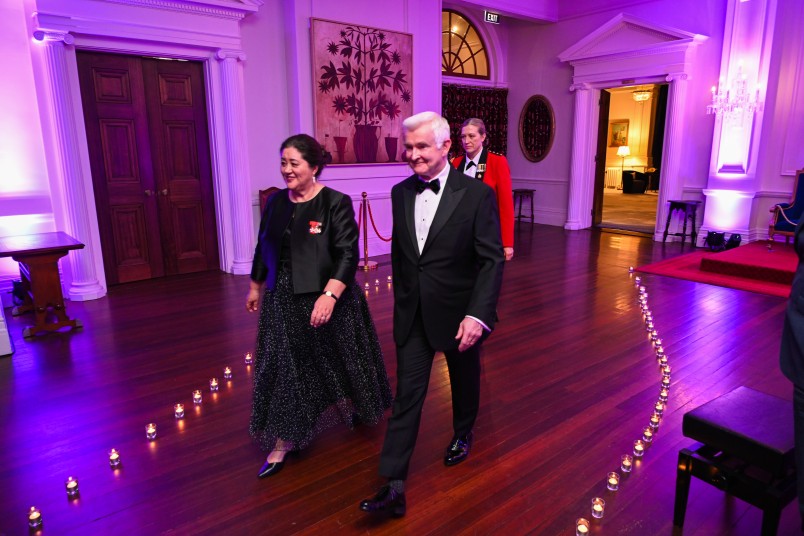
x=733 y=99
x=641 y=95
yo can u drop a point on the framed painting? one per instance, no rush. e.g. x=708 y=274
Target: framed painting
x=619 y=132
x=363 y=89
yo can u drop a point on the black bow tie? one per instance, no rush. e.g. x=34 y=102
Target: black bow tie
x=469 y=164
x=434 y=185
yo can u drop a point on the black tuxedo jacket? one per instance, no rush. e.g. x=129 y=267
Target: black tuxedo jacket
x=459 y=271
x=323 y=240
x=791 y=356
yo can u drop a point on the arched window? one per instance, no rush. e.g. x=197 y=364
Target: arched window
x=463 y=52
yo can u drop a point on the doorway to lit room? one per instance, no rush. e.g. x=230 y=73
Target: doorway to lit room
x=630 y=141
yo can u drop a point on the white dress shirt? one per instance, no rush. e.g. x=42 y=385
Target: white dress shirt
x=471 y=171
x=426 y=205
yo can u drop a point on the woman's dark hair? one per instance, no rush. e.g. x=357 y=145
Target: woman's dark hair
x=310 y=149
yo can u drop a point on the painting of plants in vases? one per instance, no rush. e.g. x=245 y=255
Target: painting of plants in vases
x=363 y=90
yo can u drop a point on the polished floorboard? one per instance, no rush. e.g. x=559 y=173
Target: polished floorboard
x=569 y=380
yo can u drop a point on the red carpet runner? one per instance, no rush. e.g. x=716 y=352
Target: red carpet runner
x=751 y=267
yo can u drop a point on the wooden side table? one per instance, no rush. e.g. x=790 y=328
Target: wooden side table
x=688 y=209
x=38 y=255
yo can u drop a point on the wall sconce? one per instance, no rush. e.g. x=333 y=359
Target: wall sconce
x=732 y=99
x=623 y=151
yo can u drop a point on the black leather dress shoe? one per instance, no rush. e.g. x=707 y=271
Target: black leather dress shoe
x=458 y=450
x=386 y=500
x=271 y=468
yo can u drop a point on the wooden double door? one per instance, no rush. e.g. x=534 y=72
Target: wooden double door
x=146 y=123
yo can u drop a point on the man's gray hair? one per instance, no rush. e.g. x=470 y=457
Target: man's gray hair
x=438 y=124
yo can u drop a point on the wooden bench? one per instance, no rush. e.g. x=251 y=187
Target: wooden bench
x=746 y=449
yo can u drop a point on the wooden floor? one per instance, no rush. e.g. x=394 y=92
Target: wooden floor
x=568 y=383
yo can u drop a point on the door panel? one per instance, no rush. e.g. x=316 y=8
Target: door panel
x=600 y=157
x=120 y=157
x=178 y=129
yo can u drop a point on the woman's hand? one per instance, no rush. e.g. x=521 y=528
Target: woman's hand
x=253 y=297
x=322 y=311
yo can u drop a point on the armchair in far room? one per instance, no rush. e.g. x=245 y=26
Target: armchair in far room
x=634 y=182
x=785 y=216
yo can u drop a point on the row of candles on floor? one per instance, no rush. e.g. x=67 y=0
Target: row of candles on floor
x=71 y=484
x=583 y=525
x=366 y=286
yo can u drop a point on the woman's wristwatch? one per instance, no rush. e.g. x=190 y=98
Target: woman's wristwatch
x=330 y=294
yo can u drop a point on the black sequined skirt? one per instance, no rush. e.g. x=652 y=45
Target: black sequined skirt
x=307 y=379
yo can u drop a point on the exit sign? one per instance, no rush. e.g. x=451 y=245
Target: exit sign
x=492 y=17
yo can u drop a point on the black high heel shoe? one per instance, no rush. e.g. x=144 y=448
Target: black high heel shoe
x=271 y=468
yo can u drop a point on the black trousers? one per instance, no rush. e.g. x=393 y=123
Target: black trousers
x=798 y=426
x=414 y=361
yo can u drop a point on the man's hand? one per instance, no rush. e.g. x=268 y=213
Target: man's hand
x=469 y=333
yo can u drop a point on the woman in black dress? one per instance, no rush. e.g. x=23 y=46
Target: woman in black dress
x=318 y=360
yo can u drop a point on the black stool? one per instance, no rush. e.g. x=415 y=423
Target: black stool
x=688 y=210
x=746 y=450
x=519 y=195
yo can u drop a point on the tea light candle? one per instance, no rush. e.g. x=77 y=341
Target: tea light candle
x=613 y=481
x=196 y=397
x=639 y=448
x=642 y=289
x=598 y=506
x=637 y=280
x=114 y=458
x=665 y=381
x=366 y=286
x=630 y=269
x=663 y=395
x=659 y=407
x=376 y=282
x=71 y=484
x=227 y=373
x=663 y=360
x=660 y=352
x=581 y=527
x=178 y=411
x=649 y=326
x=647 y=434
x=150 y=430
x=213 y=384
x=626 y=463
x=658 y=342
x=249 y=358
x=655 y=420
x=389 y=278
x=34 y=517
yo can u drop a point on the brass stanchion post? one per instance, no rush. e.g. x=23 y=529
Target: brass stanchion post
x=365 y=264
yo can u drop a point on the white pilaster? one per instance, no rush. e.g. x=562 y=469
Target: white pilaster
x=579 y=213
x=671 y=152
x=84 y=284
x=234 y=118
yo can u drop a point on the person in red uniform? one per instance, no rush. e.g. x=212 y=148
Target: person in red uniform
x=491 y=168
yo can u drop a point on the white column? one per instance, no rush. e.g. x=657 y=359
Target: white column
x=671 y=152
x=5 y=336
x=582 y=166
x=84 y=283
x=239 y=179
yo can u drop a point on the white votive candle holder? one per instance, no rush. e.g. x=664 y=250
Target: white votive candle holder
x=114 y=458
x=150 y=431
x=213 y=384
x=598 y=507
x=659 y=407
x=227 y=373
x=613 y=481
x=581 y=527
x=639 y=448
x=366 y=286
x=178 y=411
x=249 y=359
x=655 y=420
x=71 y=485
x=34 y=517
x=626 y=463
x=663 y=394
x=647 y=434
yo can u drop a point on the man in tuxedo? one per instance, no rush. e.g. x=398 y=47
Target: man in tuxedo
x=447 y=261
x=492 y=169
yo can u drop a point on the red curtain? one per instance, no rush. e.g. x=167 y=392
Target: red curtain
x=489 y=104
